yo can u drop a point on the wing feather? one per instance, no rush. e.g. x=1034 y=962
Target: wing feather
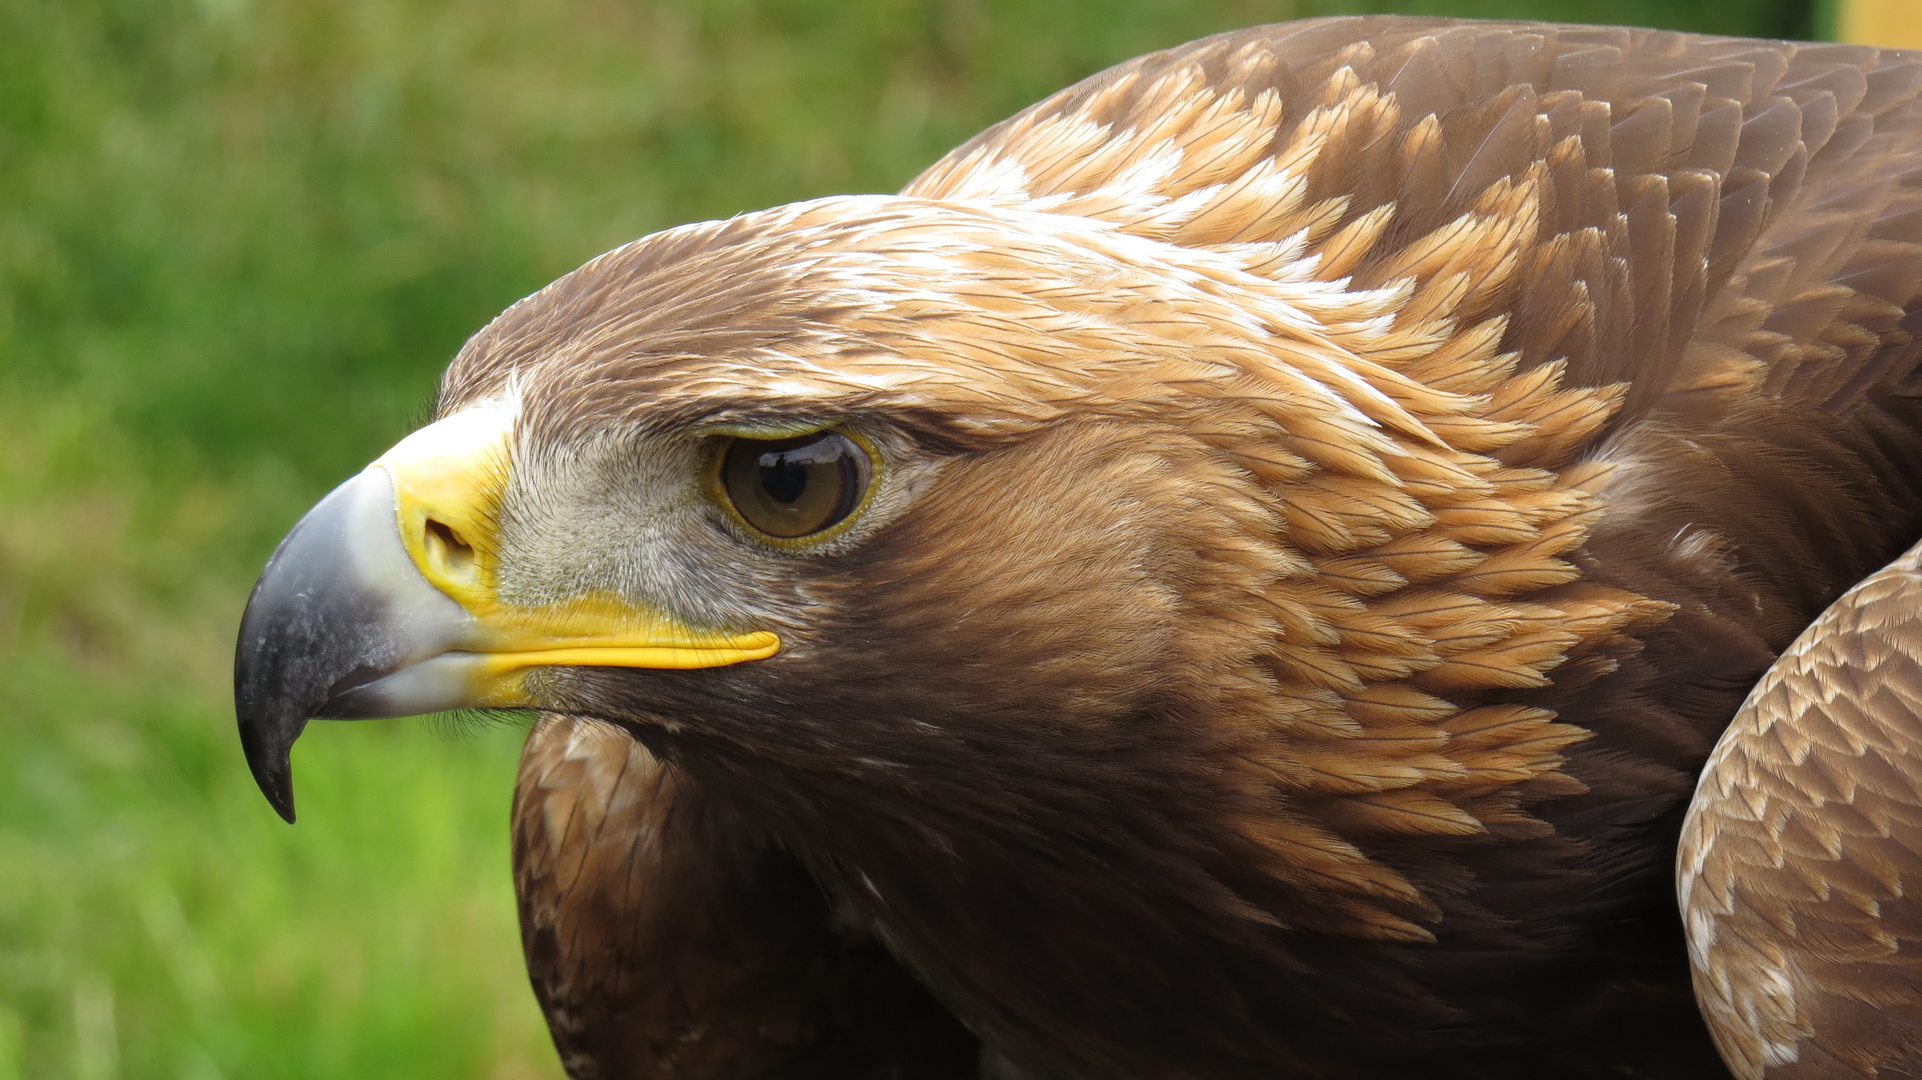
x=1800 y=868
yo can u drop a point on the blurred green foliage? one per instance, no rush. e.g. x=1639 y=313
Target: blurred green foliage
x=238 y=240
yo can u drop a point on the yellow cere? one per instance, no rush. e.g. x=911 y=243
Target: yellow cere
x=449 y=478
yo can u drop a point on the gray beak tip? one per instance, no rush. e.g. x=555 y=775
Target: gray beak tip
x=273 y=769
x=267 y=735
x=278 y=785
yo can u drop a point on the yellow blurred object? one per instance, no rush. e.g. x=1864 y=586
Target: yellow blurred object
x=1889 y=23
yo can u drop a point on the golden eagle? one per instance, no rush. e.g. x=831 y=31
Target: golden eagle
x=1236 y=571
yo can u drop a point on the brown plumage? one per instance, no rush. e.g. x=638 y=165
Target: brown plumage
x=1335 y=483
x=1433 y=429
x=1803 y=851
x=667 y=948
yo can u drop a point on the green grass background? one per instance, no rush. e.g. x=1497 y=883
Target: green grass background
x=238 y=240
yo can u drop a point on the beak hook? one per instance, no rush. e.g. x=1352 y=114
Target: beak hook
x=339 y=605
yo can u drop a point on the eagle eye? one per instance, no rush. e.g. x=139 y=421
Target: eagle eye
x=793 y=488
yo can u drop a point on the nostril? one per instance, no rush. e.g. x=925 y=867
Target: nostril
x=453 y=553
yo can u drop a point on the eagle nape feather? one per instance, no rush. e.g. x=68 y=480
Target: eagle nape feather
x=1236 y=571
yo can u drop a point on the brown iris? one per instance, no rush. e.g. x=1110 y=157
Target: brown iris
x=790 y=488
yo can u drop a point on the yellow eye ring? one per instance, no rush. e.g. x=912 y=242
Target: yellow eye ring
x=794 y=491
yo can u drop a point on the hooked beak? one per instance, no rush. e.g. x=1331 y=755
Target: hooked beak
x=383 y=601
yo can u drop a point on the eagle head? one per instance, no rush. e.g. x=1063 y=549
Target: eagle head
x=1117 y=598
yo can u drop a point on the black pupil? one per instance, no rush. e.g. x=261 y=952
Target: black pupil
x=783 y=478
